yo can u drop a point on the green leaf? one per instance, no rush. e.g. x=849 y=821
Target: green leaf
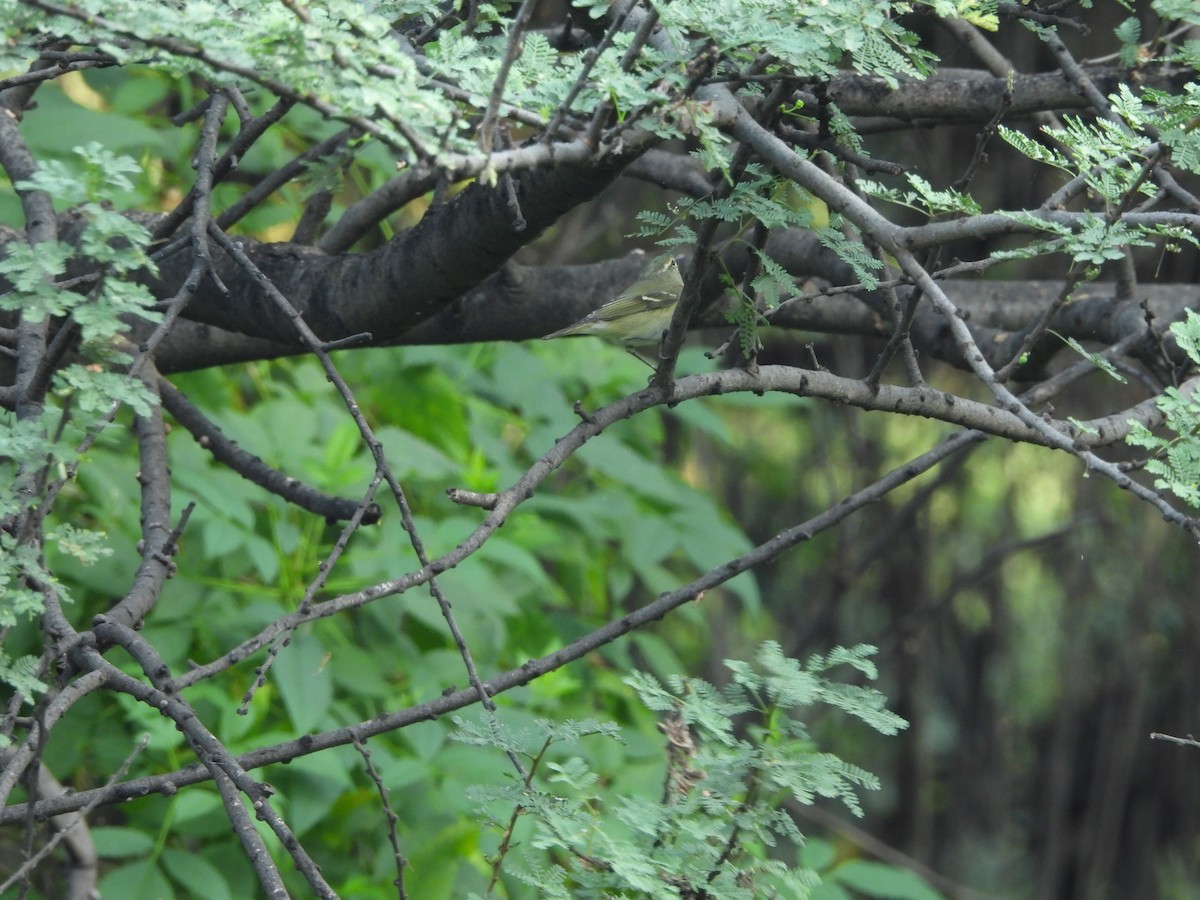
x=315 y=787
x=854 y=254
x=114 y=842
x=620 y=463
x=1094 y=358
x=196 y=802
x=31 y=271
x=303 y=683
x=879 y=880
x=22 y=673
x=817 y=854
x=1129 y=33
x=193 y=872
x=141 y=880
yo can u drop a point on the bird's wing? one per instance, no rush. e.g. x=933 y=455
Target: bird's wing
x=624 y=306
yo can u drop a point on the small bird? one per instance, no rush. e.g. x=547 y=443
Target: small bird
x=639 y=315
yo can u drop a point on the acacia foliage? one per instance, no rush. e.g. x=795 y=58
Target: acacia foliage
x=416 y=148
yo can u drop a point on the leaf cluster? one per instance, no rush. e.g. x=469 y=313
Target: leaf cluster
x=737 y=755
x=34 y=448
x=1176 y=461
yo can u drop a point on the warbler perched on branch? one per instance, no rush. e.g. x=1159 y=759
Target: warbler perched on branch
x=639 y=315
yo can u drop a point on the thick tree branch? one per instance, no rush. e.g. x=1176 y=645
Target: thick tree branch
x=388 y=291
x=971 y=95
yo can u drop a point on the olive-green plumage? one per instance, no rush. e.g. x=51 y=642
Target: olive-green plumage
x=639 y=315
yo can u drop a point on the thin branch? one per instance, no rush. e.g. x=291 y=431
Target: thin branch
x=1188 y=741
x=1037 y=329
x=512 y=52
x=296 y=167
x=209 y=436
x=324 y=570
x=616 y=24
x=157 y=538
x=59 y=68
x=246 y=138
x=392 y=818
